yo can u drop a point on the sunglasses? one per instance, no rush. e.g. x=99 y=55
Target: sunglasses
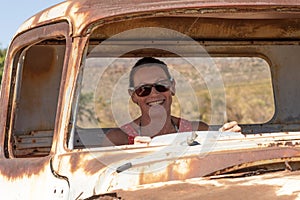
x=145 y=90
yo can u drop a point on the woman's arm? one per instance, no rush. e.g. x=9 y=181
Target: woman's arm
x=115 y=137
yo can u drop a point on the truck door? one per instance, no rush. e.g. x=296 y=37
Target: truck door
x=29 y=102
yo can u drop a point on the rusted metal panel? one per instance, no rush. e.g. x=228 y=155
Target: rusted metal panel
x=9 y=79
x=30 y=179
x=107 y=169
x=201 y=28
x=276 y=185
x=21 y=176
x=82 y=13
x=12 y=170
x=102 y=170
x=37 y=143
x=67 y=90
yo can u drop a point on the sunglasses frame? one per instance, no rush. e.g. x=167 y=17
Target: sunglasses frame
x=159 y=83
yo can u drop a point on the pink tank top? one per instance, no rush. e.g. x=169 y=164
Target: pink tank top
x=184 y=126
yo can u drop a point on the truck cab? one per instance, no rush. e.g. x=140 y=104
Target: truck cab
x=65 y=85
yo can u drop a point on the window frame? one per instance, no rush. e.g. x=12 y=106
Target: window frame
x=213 y=49
x=22 y=43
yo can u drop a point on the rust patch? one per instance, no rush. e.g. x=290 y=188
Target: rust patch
x=93 y=166
x=282 y=144
x=93 y=162
x=20 y=168
x=101 y=160
x=40 y=68
x=75 y=161
x=208 y=192
x=218 y=163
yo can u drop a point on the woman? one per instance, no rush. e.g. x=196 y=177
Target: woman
x=151 y=87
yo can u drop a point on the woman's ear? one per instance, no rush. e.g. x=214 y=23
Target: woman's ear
x=130 y=92
x=173 y=89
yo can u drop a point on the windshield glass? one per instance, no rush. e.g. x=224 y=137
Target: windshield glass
x=244 y=93
x=104 y=100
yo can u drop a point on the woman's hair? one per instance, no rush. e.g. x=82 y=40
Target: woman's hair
x=148 y=62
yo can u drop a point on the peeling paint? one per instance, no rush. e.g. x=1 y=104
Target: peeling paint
x=264 y=161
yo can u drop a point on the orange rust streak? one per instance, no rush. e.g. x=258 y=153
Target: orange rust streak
x=206 y=191
x=214 y=162
x=19 y=168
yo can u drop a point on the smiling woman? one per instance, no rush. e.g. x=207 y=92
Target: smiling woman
x=152 y=89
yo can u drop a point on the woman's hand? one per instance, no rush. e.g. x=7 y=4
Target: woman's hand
x=230 y=127
x=142 y=140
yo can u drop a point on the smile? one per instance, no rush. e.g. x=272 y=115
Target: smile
x=154 y=103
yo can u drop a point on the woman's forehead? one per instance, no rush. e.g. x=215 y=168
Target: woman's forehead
x=149 y=74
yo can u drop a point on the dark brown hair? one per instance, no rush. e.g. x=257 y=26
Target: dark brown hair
x=143 y=62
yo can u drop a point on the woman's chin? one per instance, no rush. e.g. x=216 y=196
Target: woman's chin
x=157 y=111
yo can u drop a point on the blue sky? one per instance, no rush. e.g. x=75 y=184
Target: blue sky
x=14 y=12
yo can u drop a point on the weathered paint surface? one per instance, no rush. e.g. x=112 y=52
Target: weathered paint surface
x=108 y=169
x=30 y=178
x=88 y=172
x=82 y=13
x=276 y=185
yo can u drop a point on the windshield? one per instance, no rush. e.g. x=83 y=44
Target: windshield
x=238 y=88
x=105 y=103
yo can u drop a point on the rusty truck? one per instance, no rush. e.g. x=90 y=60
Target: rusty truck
x=65 y=85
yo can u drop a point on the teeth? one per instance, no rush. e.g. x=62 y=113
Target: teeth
x=154 y=103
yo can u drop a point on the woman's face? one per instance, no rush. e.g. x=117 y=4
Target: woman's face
x=156 y=104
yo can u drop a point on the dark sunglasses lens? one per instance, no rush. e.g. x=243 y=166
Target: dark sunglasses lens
x=161 y=88
x=144 y=90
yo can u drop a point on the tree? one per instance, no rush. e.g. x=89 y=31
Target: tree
x=2 y=58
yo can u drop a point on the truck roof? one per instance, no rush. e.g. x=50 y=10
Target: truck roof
x=80 y=13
